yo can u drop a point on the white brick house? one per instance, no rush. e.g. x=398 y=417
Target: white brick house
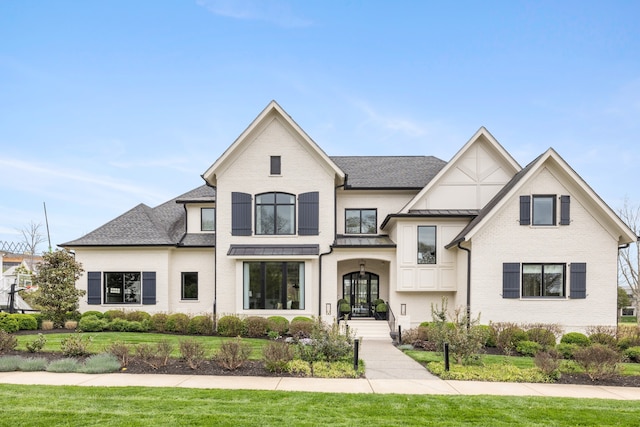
x=282 y=228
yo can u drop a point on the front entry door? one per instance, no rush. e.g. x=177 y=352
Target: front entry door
x=360 y=290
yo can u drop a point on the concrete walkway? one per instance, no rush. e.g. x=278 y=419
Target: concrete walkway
x=383 y=360
x=392 y=386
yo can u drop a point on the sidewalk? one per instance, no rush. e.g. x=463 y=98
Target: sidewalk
x=378 y=386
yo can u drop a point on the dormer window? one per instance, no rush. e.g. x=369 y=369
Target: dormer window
x=275 y=165
x=208 y=219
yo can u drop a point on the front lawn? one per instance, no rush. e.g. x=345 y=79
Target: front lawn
x=138 y=406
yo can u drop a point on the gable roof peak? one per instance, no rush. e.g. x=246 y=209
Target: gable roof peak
x=273 y=108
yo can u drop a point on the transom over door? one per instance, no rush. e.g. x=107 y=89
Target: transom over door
x=360 y=290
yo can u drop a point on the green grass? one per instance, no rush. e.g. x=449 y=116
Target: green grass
x=101 y=340
x=138 y=406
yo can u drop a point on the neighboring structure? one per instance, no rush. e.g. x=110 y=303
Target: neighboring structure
x=282 y=228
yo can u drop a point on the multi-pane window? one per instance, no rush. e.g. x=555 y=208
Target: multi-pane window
x=426 y=244
x=543 y=280
x=273 y=285
x=544 y=210
x=361 y=221
x=189 y=285
x=122 y=288
x=275 y=213
x=208 y=219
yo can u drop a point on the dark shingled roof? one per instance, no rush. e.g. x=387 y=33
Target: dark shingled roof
x=203 y=240
x=363 y=242
x=281 y=250
x=163 y=225
x=410 y=172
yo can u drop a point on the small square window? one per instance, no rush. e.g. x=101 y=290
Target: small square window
x=544 y=210
x=275 y=165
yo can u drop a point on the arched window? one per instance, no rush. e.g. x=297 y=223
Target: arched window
x=275 y=213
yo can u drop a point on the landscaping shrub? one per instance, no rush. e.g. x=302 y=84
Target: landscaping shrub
x=120 y=351
x=200 y=325
x=137 y=316
x=114 y=314
x=575 y=338
x=528 y=348
x=177 y=322
x=255 y=326
x=92 y=323
x=154 y=355
x=277 y=324
x=276 y=355
x=26 y=322
x=233 y=354
x=301 y=327
x=71 y=324
x=123 y=325
x=230 y=326
x=47 y=325
x=497 y=372
x=567 y=350
x=193 y=352
x=64 y=366
x=95 y=313
x=604 y=339
x=627 y=342
x=75 y=345
x=542 y=336
x=487 y=334
x=159 y=322
x=32 y=364
x=8 y=323
x=632 y=354
x=9 y=363
x=508 y=338
x=598 y=361
x=548 y=362
x=100 y=364
x=7 y=341
x=37 y=344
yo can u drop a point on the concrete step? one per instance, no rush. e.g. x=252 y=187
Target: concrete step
x=367 y=328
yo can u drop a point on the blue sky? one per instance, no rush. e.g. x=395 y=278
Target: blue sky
x=107 y=104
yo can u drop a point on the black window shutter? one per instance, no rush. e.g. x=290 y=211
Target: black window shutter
x=308 y=213
x=94 y=288
x=565 y=210
x=525 y=210
x=148 y=287
x=578 y=286
x=511 y=280
x=240 y=214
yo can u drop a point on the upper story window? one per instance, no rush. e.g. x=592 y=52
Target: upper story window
x=427 y=244
x=541 y=210
x=275 y=165
x=361 y=221
x=275 y=213
x=543 y=280
x=208 y=219
x=544 y=210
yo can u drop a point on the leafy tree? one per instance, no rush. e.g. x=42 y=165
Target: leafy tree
x=623 y=298
x=56 y=277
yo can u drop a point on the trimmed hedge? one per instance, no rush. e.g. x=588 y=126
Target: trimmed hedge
x=230 y=326
x=200 y=325
x=277 y=324
x=8 y=323
x=576 y=338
